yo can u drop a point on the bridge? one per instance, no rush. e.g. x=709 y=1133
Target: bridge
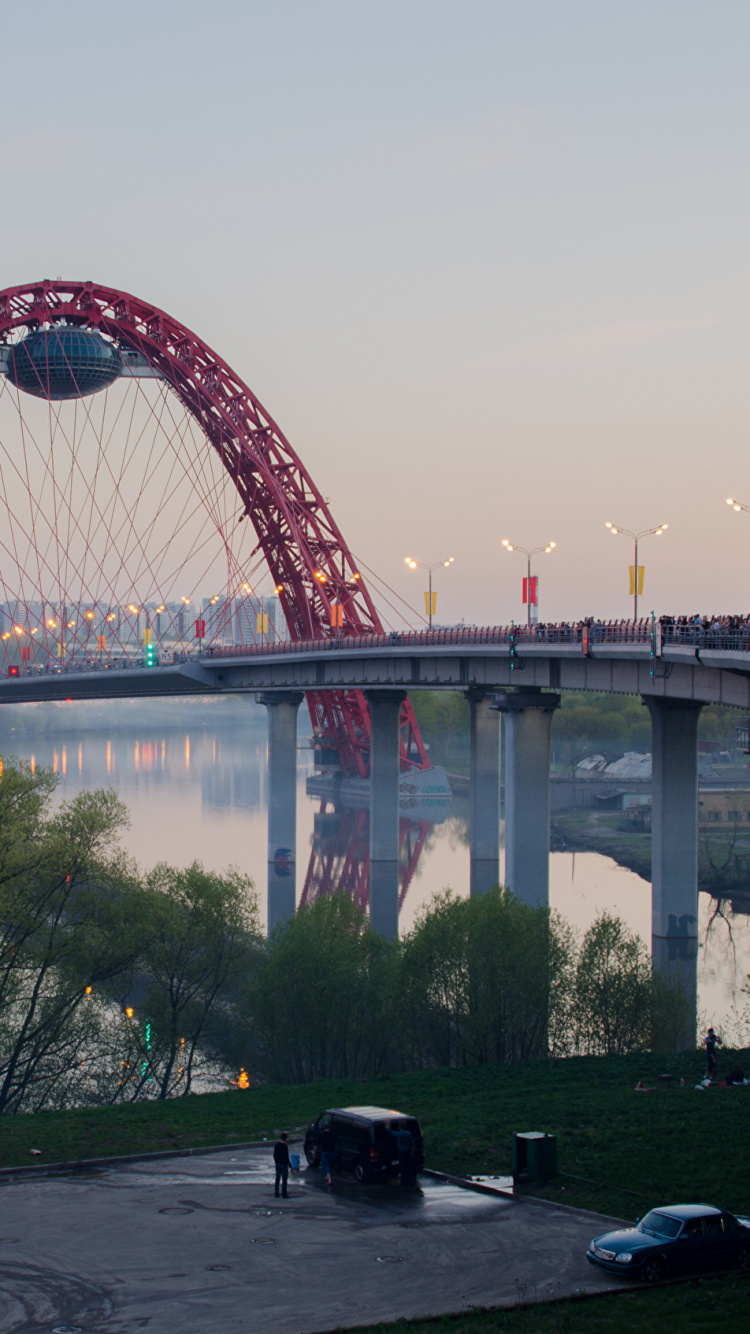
x=138 y=471
x=512 y=671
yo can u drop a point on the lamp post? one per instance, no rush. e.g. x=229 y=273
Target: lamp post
x=736 y=505
x=510 y=546
x=636 y=537
x=420 y=565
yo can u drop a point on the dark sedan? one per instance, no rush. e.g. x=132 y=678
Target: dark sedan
x=673 y=1239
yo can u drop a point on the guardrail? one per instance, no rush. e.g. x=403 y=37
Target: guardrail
x=649 y=633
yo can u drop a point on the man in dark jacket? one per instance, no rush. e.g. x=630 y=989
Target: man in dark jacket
x=327 y=1149
x=281 y=1159
x=405 y=1149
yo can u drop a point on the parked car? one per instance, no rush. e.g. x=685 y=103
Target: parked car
x=363 y=1142
x=674 y=1238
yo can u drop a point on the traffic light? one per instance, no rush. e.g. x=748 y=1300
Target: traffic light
x=152 y=655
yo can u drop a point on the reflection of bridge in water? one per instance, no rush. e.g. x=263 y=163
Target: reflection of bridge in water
x=340 y=857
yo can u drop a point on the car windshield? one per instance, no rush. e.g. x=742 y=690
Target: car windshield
x=660 y=1225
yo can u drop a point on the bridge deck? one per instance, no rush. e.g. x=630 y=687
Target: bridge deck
x=711 y=667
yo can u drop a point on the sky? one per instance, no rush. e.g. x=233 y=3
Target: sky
x=484 y=262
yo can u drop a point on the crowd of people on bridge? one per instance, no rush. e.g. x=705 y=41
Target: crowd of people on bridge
x=719 y=632
x=727 y=632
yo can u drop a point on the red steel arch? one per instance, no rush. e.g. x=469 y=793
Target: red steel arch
x=319 y=585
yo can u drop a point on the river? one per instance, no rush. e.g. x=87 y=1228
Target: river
x=193 y=775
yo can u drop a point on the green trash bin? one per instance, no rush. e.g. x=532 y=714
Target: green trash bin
x=534 y=1155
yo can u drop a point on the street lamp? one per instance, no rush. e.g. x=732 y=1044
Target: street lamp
x=510 y=546
x=420 y=565
x=645 y=532
x=736 y=505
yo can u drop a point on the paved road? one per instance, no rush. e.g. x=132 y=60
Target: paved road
x=200 y=1245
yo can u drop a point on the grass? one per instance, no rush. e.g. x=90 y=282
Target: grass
x=619 y=1151
x=685 y=1308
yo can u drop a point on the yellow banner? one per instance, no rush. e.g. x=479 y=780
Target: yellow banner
x=641 y=572
x=147 y=636
x=262 y=621
x=427 y=603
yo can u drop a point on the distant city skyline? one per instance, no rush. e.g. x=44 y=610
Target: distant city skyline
x=485 y=264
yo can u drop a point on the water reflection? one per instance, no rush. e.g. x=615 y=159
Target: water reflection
x=195 y=783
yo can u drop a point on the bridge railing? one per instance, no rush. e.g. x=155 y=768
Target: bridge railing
x=733 y=638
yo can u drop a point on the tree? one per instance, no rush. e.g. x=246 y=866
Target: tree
x=480 y=976
x=68 y=903
x=612 y=1002
x=323 y=1003
x=200 y=932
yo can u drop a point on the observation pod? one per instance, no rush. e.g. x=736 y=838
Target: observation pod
x=63 y=362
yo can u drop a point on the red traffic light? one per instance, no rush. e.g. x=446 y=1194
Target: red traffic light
x=14 y=671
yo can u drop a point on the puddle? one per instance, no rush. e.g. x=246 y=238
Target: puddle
x=500 y=1183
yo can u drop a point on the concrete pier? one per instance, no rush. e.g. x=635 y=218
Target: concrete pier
x=484 y=817
x=282 y=709
x=528 y=717
x=385 y=770
x=674 y=844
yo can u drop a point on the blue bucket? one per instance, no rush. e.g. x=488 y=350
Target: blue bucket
x=294 y=1160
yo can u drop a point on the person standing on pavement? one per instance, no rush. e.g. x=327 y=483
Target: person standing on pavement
x=405 y=1149
x=326 y=1149
x=281 y=1159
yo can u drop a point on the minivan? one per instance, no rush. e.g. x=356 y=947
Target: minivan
x=363 y=1144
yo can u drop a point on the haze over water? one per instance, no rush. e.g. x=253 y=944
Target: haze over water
x=194 y=778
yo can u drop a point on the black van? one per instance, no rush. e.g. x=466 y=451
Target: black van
x=363 y=1142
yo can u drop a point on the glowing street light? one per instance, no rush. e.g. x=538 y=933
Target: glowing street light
x=530 y=588
x=736 y=505
x=430 y=598
x=636 y=537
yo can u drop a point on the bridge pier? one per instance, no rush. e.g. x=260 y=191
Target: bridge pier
x=385 y=772
x=282 y=709
x=484 y=816
x=528 y=718
x=674 y=845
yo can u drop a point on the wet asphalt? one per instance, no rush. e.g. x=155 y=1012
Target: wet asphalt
x=200 y=1245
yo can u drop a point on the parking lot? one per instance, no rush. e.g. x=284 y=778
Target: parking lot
x=201 y=1244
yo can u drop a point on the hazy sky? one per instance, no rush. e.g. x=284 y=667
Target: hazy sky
x=486 y=262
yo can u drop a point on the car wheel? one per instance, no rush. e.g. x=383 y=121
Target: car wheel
x=361 y=1172
x=653 y=1270
x=310 y=1156
x=742 y=1259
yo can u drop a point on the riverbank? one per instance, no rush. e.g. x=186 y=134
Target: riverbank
x=596 y=831
x=620 y=1151
x=723 y=855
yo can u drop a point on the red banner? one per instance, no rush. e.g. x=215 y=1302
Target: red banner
x=534 y=582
